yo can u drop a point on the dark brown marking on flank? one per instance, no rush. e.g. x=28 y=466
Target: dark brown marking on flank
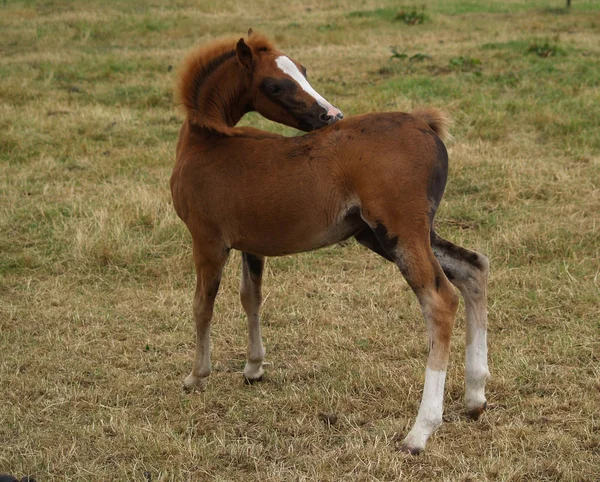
x=390 y=245
x=388 y=242
x=439 y=176
x=456 y=251
x=449 y=274
x=254 y=263
x=367 y=238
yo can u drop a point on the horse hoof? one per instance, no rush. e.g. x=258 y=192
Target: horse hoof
x=253 y=373
x=475 y=413
x=250 y=381
x=407 y=449
x=193 y=382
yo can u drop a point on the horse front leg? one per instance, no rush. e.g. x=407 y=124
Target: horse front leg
x=209 y=261
x=251 y=297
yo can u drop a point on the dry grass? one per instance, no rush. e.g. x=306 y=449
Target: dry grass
x=96 y=276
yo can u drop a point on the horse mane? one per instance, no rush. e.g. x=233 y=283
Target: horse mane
x=201 y=63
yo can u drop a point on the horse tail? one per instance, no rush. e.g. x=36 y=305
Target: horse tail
x=437 y=120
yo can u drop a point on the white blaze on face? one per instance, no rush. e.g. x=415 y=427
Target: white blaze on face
x=288 y=67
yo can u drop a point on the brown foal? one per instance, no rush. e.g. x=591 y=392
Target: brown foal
x=378 y=177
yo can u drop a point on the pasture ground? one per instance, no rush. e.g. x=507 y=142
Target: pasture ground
x=96 y=277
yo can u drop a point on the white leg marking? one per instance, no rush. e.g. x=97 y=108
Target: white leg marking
x=288 y=67
x=474 y=291
x=430 y=411
x=251 y=300
x=201 y=366
x=256 y=352
x=476 y=371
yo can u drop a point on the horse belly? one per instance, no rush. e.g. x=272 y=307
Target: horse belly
x=295 y=230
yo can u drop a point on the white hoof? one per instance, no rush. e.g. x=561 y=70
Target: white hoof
x=253 y=371
x=475 y=393
x=192 y=382
x=414 y=443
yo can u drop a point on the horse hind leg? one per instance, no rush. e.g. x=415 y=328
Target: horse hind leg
x=251 y=297
x=412 y=253
x=468 y=271
x=209 y=262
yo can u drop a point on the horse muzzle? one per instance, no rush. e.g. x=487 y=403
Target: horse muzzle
x=332 y=116
x=319 y=116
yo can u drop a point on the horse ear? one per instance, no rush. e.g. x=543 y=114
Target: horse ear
x=250 y=32
x=244 y=54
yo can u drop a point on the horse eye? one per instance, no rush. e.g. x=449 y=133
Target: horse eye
x=273 y=89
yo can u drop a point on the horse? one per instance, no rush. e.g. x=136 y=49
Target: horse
x=377 y=177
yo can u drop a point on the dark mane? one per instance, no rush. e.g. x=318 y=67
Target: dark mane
x=206 y=71
x=203 y=62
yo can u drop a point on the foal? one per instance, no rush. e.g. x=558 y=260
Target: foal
x=377 y=177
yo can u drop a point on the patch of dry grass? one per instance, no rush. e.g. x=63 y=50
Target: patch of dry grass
x=96 y=276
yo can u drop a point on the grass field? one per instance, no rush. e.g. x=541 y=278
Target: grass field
x=96 y=276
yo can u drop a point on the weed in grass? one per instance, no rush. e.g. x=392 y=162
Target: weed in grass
x=545 y=48
x=418 y=57
x=412 y=15
x=327 y=27
x=397 y=55
x=400 y=66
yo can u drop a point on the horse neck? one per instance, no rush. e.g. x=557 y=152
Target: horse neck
x=224 y=99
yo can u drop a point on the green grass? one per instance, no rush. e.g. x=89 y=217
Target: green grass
x=96 y=277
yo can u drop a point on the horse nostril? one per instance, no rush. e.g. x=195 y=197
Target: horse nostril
x=340 y=115
x=325 y=117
